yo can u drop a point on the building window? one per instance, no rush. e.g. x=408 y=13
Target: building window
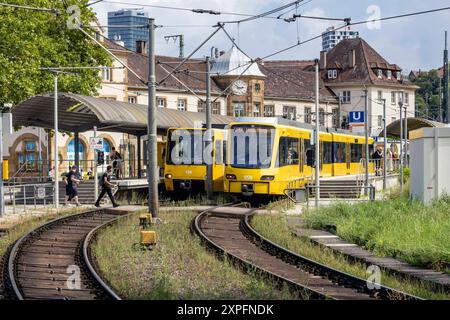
x=257 y=110
x=380 y=73
x=406 y=98
x=336 y=123
x=257 y=87
x=399 y=75
x=346 y=97
x=239 y=109
x=332 y=74
x=380 y=95
x=289 y=112
x=393 y=97
x=389 y=74
x=308 y=115
x=131 y=99
x=269 y=111
x=30 y=146
x=181 y=104
x=216 y=108
x=201 y=108
x=107 y=74
x=161 y=102
x=380 y=121
x=322 y=117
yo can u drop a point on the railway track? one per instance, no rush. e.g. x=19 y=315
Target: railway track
x=227 y=231
x=54 y=261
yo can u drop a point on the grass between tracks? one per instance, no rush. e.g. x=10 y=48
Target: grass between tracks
x=178 y=268
x=275 y=228
x=398 y=227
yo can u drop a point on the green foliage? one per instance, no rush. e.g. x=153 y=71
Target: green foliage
x=428 y=95
x=179 y=267
x=409 y=230
x=277 y=229
x=30 y=40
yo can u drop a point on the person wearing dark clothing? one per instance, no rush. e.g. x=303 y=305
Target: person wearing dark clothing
x=377 y=157
x=107 y=187
x=117 y=162
x=71 y=186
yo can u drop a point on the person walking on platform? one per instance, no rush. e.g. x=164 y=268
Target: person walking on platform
x=107 y=188
x=71 y=186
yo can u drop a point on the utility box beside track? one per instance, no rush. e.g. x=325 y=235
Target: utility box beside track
x=430 y=154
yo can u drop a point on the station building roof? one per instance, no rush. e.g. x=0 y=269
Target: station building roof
x=81 y=113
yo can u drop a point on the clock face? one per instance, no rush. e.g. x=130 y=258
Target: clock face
x=239 y=88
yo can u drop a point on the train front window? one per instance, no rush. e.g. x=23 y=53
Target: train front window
x=185 y=147
x=251 y=146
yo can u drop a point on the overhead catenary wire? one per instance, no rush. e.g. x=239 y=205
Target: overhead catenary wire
x=190 y=55
x=194 y=10
x=16 y=6
x=111 y=54
x=264 y=14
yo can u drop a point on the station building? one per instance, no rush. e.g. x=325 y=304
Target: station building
x=240 y=87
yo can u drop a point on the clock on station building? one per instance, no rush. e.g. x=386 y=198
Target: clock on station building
x=244 y=80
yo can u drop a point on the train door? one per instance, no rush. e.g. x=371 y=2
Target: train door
x=322 y=156
x=348 y=158
x=302 y=158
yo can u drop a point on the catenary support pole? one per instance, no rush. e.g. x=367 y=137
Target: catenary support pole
x=139 y=157
x=385 y=145
x=366 y=130
x=406 y=138
x=152 y=148
x=95 y=168
x=316 y=139
x=209 y=138
x=56 y=193
x=400 y=103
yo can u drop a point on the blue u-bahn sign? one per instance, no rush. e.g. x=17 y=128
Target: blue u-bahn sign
x=356 y=117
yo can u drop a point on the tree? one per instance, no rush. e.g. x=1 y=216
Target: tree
x=428 y=96
x=33 y=39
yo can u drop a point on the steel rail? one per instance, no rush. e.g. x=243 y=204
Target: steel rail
x=316 y=268
x=342 y=279
x=11 y=260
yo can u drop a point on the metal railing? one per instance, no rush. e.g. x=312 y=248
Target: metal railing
x=29 y=195
x=305 y=194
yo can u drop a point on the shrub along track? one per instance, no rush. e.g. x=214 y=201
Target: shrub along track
x=227 y=231
x=54 y=261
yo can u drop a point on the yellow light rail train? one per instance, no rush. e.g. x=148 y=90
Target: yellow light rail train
x=185 y=167
x=267 y=156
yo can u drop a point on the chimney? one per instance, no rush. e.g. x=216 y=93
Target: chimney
x=141 y=47
x=323 y=60
x=352 y=58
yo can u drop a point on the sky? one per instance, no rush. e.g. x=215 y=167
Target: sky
x=413 y=42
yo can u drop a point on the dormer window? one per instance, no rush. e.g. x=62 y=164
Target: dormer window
x=399 y=75
x=332 y=74
x=389 y=74
x=380 y=73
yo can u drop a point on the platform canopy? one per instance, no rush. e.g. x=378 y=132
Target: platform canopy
x=82 y=113
x=393 y=130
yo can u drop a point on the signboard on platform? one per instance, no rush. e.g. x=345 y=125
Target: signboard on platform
x=40 y=193
x=96 y=144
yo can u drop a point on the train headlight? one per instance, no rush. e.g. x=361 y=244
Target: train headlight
x=169 y=176
x=231 y=177
x=267 y=178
